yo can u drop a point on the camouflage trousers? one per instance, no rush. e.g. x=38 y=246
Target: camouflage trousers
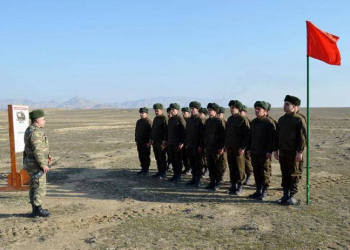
x=37 y=188
x=261 y=167
x=290 y=168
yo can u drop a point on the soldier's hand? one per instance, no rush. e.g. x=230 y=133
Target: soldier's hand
x=275 y=154
x=241 y=151
x=299 y=157
x=181 y=146
x=46 y=169
x=221 y=151
x=200 y=150
x=268 y=156
x=50 y=160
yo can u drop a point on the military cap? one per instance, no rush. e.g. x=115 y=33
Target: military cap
x=203 y=111
x=185 y=109
x=235 y=103
x=174 y=106
x=195 y=104
x=293 y=100
x=158 y=106
x=143 y=110
x=221 y=110
x=213 y=105
x=36 y=113
x=268 y=106
x=260 y=104
x=168 y=110
x=244 y=108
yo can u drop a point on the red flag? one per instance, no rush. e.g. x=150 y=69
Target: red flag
x=322 y=45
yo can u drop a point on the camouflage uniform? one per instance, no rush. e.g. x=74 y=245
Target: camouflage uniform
x=36 y=156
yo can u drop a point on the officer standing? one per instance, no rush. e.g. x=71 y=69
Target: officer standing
x=159 y=136
x=37 y=158
x=237 y=132
x=248 y=163
x=213 y=142
x=289 y=145
x=143 y=132
x=176 y=140
x=194 y=133
x=260 y=147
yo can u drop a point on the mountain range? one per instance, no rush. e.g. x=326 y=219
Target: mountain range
x=82 y=103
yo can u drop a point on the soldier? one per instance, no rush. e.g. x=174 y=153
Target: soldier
x=237 y=131
x=176 y=140
x=289 y=145
x=213 y=141
x=158 y=139
x=301 y=163
x=260 y=147
x=186 y=113
x=248 y=163
x=204 y=112
x=143 y=132
x=275 y=123
x=194 y=133
x=167 y=149
x=36 y=157
x=221 y=116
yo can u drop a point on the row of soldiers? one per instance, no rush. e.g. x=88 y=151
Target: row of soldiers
x=214 y=141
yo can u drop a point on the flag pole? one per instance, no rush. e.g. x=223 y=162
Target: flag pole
x=308 y=137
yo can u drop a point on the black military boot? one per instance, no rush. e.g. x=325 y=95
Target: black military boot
x=162 y=176
x=257 y=193
x=33 y=210
x=211 y=185
x=192 y=181
x=156 y=175
x=292 y=200
x=172 y=178
x=263 y=196
x=41 y=212
x=232 y=189
x=239 y=190
x=217 y=185
x=247 y=180
x=177 y=179
x=285 y=197
x=197 y=182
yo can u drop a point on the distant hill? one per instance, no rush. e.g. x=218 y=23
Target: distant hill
x=82 y=103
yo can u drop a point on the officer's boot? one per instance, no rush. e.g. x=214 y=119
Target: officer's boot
x=177 y=179
x=33 y=210
x=247 y=180
x=198 y=182
x=217 y=185
x=211 y=185
x=142 y=170
x=264 y=194
x=172 y=178
x=192 y=181
x=285 y=196
x=257 y=193
x=292 y=200
x=232 y=189
x=39 y=211
x=239 y=189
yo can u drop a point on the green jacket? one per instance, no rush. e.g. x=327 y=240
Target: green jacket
x=36 y=149
x=143 y=131
x=160 y=129
x=214 y=134
x=237 y=132
x=261 y=136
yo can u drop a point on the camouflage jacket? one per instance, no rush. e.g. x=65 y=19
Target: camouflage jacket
x=36 y=150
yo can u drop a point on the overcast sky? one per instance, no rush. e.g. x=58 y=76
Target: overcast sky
x=114 y=51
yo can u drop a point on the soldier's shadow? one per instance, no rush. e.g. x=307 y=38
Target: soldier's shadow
x=121 y=184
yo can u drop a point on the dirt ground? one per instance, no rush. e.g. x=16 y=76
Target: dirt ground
x=98 y=202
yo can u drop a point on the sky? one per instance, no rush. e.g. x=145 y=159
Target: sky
x=115 y=51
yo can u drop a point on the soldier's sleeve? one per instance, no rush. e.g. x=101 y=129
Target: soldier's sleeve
x=182 y=130
x=149 y=130
x=301 y=136
x=276 y=139
x=202 y=139
x=38 y=145
x=246 y=128
x=165 y=124
x=272 y=134
x=136 y=131
x=222 y=133
x=249 y=139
